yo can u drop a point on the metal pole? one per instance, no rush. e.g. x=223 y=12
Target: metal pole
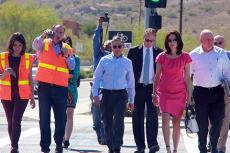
x=140 y=13
x=148 y=12
x=181 y=16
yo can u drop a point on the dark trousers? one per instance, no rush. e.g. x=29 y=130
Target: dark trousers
x=209 y=105
x=56 y=97
x=14 y=111
x=143 y=97
x=113 y=108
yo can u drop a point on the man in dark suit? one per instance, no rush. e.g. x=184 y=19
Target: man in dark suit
x=143 y=60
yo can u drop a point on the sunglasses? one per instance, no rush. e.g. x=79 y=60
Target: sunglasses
x=148 y=40
x=117 y=46
x=171 y=40
x=218 y=43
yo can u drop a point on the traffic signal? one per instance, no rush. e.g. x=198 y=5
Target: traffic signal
x=155 y=21
x=155 y=3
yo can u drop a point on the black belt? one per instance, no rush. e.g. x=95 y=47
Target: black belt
x=144 y=85
x=48 y=84
x=113 y=90
x=208 y=88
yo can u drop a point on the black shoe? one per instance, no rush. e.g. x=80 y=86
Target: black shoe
x=110 y=151
x=58 y=149
x=45 y=150
x=117 y=151
x=66 y=144
x=154 y=149
x=140 y=150
x=14 y=150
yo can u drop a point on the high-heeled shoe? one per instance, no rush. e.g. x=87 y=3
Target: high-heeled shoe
x=174 y=151
x=168 y=149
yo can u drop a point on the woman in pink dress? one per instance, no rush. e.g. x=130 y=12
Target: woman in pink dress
x=171 y=86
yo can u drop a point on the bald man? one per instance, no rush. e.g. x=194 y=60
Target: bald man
x=210 y=64
x=55 y=61
x=219 y=41
x=221 y=145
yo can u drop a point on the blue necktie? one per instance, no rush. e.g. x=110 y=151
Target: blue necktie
x=146 y=67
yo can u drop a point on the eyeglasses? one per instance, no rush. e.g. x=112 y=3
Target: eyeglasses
x=148 y=40
x=218 y=43
x=171 y=40
x=117 y=46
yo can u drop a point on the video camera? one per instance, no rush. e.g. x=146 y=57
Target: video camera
x=105 y=18
x=49 y=33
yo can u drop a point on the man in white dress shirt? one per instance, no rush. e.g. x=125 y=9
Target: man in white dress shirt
x=210 y=65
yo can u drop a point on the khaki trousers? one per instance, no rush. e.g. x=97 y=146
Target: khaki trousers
x=221 y=145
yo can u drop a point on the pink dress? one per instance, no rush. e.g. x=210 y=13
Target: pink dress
x=171 y=89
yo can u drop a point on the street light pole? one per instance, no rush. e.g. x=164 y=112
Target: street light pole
x=181 y=16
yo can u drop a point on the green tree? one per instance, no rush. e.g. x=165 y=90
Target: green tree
x=89 y=28
x=31 y=20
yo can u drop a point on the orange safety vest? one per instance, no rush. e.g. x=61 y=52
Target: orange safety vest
x=23 y=78
x=52 y=68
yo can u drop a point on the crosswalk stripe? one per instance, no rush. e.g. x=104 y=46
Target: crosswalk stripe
x=24 y=134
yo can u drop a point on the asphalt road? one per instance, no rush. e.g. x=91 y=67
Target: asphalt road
x=83 y=139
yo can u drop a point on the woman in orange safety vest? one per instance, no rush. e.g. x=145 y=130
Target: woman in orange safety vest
x=16 y=85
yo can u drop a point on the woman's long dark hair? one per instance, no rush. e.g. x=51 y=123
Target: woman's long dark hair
x=179 y=41
x=68 y=40
x=17 y=36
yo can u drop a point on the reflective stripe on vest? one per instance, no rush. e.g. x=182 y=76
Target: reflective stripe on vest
x=46 y=45
x=23 y=82
x=27 y=57
x=3 y=62
x=5 y=83
x=53 y=67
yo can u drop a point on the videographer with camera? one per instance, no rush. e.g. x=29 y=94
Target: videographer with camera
x=55 y=61
x=99 y=50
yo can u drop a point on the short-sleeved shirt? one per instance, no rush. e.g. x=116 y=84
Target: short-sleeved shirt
x=171 y=89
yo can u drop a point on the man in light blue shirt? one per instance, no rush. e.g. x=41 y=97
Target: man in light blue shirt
x=114 y=74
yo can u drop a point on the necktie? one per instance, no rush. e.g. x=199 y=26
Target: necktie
x=146 y=67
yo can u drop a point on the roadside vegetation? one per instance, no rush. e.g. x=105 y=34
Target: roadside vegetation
x=31 y=17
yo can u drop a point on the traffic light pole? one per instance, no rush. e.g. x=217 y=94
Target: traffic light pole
x=148 y=13
x=181 y=16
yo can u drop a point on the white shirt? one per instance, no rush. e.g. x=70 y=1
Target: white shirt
x=151 y=67
x=209 y=68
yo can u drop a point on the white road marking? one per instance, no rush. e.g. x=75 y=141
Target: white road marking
x=24 y=134
x=191 y=144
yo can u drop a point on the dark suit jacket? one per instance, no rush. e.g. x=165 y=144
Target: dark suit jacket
x=136 y=56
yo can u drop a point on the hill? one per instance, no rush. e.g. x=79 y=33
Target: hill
x=127 y=14
x=197 y=14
